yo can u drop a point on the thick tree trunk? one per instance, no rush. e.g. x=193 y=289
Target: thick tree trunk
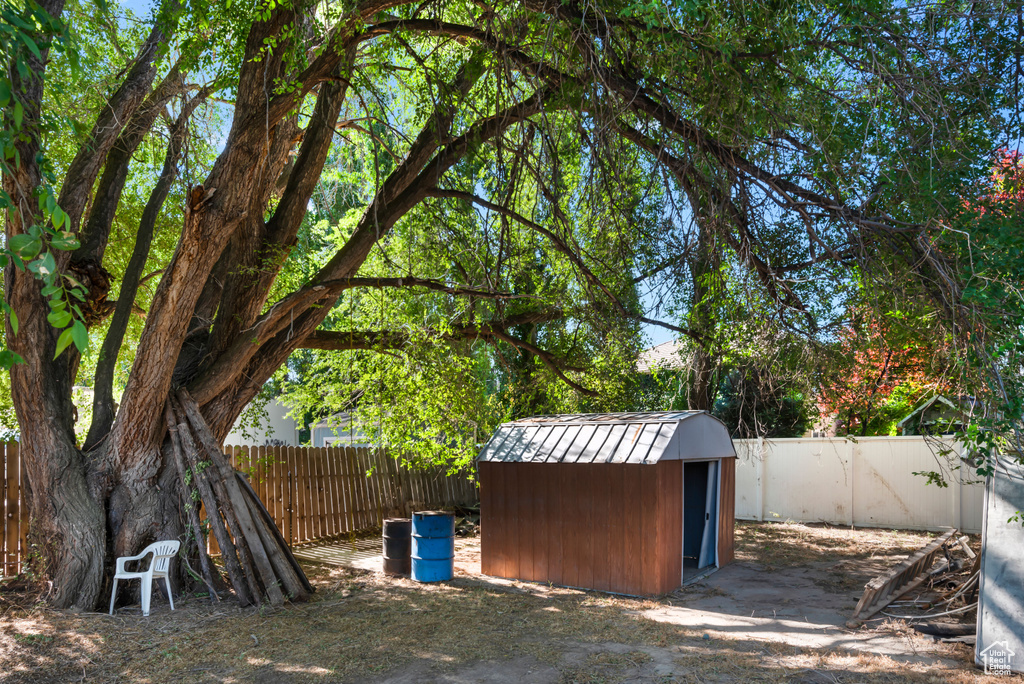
x=68 y=532
x=68 y=535
x=704 y=361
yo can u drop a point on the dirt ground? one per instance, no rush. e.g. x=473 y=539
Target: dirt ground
x=775 y=615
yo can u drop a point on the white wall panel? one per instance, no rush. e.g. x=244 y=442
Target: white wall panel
x=748 y=479
x=869 y=482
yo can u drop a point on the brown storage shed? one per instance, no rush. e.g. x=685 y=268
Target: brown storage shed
x=632 y=503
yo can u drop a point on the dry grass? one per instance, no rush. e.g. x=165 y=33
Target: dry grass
x=363 y=626
x=777 y=545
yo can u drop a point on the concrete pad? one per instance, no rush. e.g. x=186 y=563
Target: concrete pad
x=785 y=605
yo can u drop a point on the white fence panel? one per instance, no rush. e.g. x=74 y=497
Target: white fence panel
x=748 y=479
x=867 y=482
x=972 y=503
x=889 y=494
x=809 y=479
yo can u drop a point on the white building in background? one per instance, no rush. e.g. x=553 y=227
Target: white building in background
x=338 y=430
x=667 y=356
x=277 y=428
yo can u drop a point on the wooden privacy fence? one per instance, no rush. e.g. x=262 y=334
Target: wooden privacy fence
x=312 y=493
x=318 y=492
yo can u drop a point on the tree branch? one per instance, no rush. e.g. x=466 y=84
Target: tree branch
x=406 y=187
x=559 y=244
x=78 y=181
x=331 y=340
x=491 y=331
x=103 y=396
x=94 y=235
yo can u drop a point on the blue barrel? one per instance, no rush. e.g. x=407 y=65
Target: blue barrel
x=433 y=546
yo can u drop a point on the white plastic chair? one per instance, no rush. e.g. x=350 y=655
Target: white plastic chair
x=162 y=552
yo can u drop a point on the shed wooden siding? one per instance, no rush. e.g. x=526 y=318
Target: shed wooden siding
x=727 y=512
x=613 y=527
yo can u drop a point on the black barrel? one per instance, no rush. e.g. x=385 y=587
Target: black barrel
x=397 y=546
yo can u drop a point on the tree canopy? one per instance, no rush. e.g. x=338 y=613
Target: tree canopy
x=468 y=200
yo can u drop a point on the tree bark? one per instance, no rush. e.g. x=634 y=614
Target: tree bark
x=68 y=535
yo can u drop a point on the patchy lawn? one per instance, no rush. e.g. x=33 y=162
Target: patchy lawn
x=363 y=626
x=776 y=544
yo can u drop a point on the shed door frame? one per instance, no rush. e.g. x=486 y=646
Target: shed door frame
x=717 y=462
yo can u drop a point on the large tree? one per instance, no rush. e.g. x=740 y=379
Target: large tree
x=520 y=143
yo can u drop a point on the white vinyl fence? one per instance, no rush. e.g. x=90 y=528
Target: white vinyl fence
x=867 y=482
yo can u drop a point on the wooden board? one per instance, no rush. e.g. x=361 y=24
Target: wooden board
x=601 y=526
x=586 y=531
x=727 y=512
x=619 y=510
x=494 y=520
x=572 y=511
x=486 y=504
x=512 y=523
x=650 y=554
x=884 y=589
x=633 y=536
x=559 y=526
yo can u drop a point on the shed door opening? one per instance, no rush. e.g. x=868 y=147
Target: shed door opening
x=700 y=517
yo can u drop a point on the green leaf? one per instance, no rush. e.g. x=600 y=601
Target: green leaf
x=19 y=114
x=14 y=322
x=5 y=92
x=59 y=319
x=62 y=342
x=31 y=45
x=58 y=217
x=80 y=335
x=25 y=246
x=49 y=264
x=65 y=242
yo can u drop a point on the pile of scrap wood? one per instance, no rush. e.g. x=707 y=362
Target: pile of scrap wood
x=467 y=521
x=259 y=563
x=937 y=584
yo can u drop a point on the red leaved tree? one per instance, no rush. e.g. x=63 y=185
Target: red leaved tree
x=880 y=372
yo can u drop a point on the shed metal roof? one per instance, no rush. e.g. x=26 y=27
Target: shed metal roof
x=610 y=438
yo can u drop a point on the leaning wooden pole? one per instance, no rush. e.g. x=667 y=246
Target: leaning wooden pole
x=243 y=588
x=271 y=556
x=190 y=507
x=259 y=510
x=207 y=473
